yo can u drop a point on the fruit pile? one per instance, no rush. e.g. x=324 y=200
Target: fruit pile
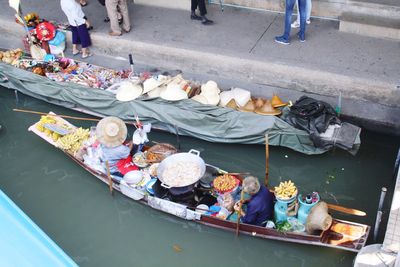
x=286 y=190
x=72 y=142
x=11 y=56
x=225 y=183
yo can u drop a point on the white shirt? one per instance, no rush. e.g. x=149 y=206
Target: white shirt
x=73 y=11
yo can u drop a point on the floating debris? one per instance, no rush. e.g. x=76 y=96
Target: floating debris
x=177 y=248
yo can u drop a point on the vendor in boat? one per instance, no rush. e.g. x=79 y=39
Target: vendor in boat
x=111 y=132
x=260 y=202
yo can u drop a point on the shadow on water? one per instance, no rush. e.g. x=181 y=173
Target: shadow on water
x=97 y=229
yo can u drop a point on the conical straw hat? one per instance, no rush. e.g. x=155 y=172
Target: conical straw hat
x=150 y=84
x=111 y=131
x=249 y=107
x=232 y=104
x=277 y=101
x=267 y=109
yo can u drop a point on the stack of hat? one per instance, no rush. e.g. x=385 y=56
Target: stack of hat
x=111 y=131
x=173 y=92
x=128 y=91
x=209 y=94
x=235 y=98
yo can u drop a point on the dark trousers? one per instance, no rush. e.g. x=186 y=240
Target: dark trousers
x=80 y=35
x=202 y=6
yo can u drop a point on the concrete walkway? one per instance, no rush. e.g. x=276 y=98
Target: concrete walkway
x=240 y=46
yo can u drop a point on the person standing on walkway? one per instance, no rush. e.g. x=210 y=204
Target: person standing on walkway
x=112 y=10
x=80 y=33
x=285 y=38
x=203 y=11
x=296 y=23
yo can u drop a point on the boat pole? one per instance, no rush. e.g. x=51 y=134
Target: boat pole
x=110 y=182
x=379 y=213
x=239 y=212
x=266 y=159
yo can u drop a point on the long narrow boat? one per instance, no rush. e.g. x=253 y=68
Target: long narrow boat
x=342 y=234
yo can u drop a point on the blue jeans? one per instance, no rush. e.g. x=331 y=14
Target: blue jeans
x=288 y=17
x=308 y=11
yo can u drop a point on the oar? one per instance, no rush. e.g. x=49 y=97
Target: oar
x=110 y=181
x=62 y=116
x=239 y=212
x=266 y=159
x=347 y=210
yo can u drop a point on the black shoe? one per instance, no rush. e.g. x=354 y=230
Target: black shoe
x=195 y=17
x=107 y=19
x=206 y=21
x=120 y=21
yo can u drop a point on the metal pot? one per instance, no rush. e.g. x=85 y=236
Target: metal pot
x=191 y=156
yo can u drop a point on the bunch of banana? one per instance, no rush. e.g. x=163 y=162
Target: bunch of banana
x=44 y=120
x=31 y=16
x=73 y=141
x=285 y=190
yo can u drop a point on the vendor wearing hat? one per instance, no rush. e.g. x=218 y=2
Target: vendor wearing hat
x=111 y=132
x=260 y=202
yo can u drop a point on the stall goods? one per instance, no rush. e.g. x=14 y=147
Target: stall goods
x=285 y=190
x=343 y=235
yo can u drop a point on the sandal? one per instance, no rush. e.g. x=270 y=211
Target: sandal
x=83 y=3
x=76 y=52
x=87 y=55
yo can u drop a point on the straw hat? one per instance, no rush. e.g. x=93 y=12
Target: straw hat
x=242 y=97
x=173 y=92
x=225 y=97
x=201 y=99
x=210 y=87
x=150 y=84
x=111 y=131
x=267 y=109
x=128 y=91
x=318 y=218
x=277 y=102
x=157 y=92
x=259 y=102
x=249 y=107
x=232 y=104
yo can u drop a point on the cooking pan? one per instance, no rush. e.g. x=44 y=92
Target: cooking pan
x=191 y=156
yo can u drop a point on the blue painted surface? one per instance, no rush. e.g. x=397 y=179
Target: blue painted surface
x=23 y=243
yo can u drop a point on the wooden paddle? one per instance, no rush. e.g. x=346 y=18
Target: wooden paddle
x=347 y=210
x=239 y=212
x=62 y=116
x=266 y=159
x=110 y=181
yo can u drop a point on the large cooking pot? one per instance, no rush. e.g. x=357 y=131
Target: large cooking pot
x=181 y=161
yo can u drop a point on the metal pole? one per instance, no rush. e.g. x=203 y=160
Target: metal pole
x=178 y=141
x=379 y=213
x=16 y=96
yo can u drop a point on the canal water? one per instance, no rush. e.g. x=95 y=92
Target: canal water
x=97 y=229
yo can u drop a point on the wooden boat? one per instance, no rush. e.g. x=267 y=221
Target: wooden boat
x=344 y=235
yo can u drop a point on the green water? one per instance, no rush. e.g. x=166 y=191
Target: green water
x=97 y=229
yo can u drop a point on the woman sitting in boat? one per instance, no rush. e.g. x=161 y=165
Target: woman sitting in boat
x=260 y=202
x=111 y=132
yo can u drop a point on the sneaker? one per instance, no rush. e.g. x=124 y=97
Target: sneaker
x=206 y=21
x=281 y=40
x=295 y=24
x=308 y=21
x=301 y=38
x=195 y=17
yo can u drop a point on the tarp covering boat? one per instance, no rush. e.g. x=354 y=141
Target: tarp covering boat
x=210 y=123
x=23 y=243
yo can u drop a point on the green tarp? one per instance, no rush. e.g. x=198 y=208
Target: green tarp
x=214 y=124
